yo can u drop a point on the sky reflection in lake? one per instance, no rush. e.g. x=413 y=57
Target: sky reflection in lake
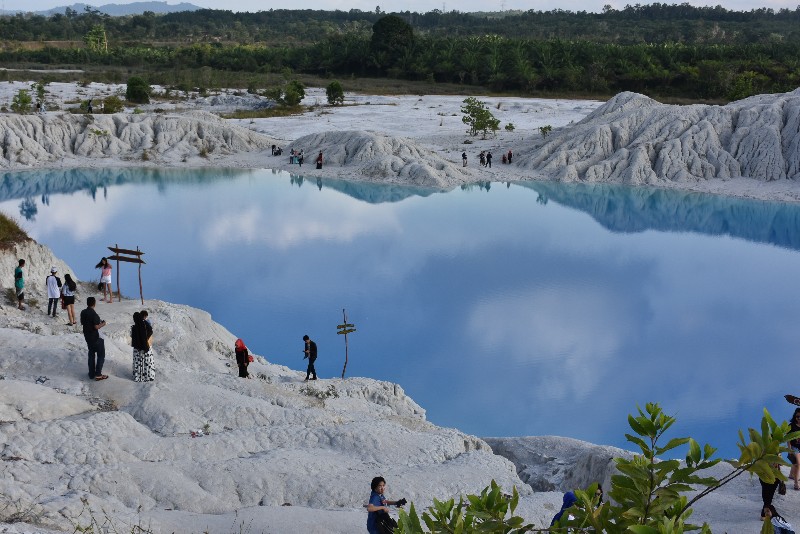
x=535 y=309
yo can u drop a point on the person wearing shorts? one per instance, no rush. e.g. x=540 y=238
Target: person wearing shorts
x=105 y=279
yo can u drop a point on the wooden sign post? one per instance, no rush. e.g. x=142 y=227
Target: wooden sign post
x=131 y=256
x=345 y=328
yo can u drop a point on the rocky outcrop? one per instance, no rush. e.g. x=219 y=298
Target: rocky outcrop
x=549 y=463
x=633 y=139
x=45 y=140
x=387 y=159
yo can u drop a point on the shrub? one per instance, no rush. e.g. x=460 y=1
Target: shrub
x=544 y=130
x=21 y=103
x=138 y=90
x=113 y=104
x=335 y=93
x=510 y=127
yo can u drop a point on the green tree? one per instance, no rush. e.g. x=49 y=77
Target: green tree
x=335 y=93
x=294 y=92
x=392 y=38
x=138 y=90
x=478 y=117
x=96 y=40
x=21 y=103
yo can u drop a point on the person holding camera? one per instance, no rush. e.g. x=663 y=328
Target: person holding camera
x=310 y=353
x=92 y=324
x=378 y=508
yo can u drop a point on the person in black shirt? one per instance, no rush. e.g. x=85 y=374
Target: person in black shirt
x=311 y=354
x=91 y=333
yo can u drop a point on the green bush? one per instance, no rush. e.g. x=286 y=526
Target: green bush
x=21 y=103
x=113 y=104
x=138 y=91
x=335 y=93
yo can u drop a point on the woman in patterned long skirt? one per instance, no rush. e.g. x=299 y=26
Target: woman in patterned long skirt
x=143 y=365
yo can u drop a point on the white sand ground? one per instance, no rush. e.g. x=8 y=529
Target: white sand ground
x=127 y=447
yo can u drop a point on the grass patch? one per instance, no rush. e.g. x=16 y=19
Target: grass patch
x=10 y=232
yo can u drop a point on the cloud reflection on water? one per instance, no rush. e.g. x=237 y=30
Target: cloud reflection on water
x=498 y=313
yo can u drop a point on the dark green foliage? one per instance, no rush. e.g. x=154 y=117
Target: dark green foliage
x=335 y=93
x=658 y=50
x=293 y=93
x=138 y=91
x=392 y=39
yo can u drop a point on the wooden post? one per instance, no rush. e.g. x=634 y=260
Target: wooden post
x=141 y=294
x=119 y=291
x=130 y=256
x=345 y=328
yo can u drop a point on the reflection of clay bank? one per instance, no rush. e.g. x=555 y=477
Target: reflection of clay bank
x=632 y=139
x=636 y=209
x=25 y=184
x=378 y=193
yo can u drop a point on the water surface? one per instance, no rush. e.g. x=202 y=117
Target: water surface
x=502 y=309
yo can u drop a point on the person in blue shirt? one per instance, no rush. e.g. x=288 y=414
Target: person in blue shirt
x=378 y=504
x=568 y=501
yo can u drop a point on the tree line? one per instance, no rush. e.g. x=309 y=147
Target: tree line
x=654 y=23
x=394 y=48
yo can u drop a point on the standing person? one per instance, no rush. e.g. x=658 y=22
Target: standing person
x=105 y=279
x=53 y=284
x=242 y=358
x=143 y=368
x=482 y=158
x=463 y=159
x=509 y=156
x=301 y=157
x=94 y=341
x=794 y=449
x=318 y=160
x=68 y=294
x=19 y=284
x=310 y=353
x=489 y=159
x=378 y=504
x=768 y=492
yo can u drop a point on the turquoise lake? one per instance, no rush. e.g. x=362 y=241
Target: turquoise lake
x=503 y=309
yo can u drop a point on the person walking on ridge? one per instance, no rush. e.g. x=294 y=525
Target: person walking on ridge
x=310 y=353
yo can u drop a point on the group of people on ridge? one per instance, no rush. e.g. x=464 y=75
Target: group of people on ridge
x=485 y=158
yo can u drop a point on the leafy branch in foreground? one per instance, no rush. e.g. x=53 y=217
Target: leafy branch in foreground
x=483 y=513
x=648 y=496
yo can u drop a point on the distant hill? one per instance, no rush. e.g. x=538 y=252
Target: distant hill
x=116 y=10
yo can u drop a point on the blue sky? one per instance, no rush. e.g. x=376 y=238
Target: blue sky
x=421 y=6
